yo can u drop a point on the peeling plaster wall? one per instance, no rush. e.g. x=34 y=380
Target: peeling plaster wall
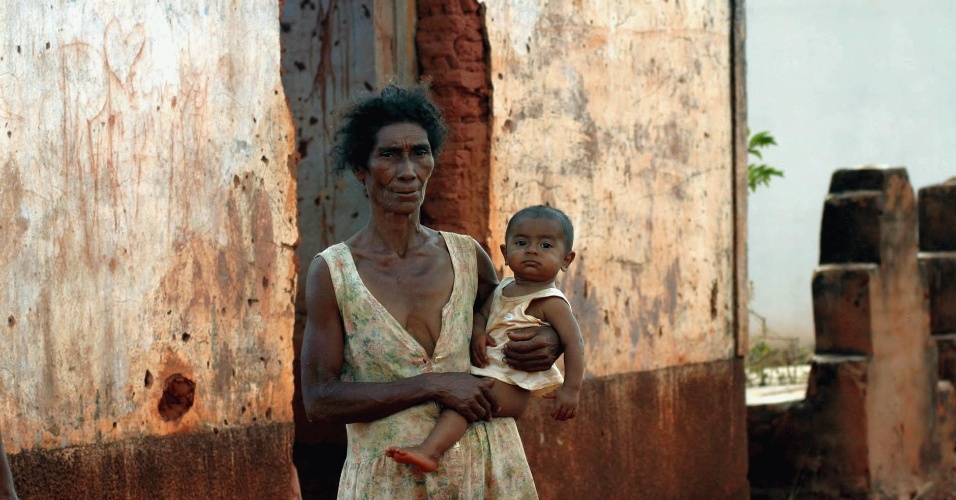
x=147 y=208
x=620 y=114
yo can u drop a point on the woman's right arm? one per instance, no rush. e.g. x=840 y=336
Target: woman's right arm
x=328 y=399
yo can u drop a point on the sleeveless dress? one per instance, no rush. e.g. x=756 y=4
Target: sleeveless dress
x=489 y=460
x=508 y=314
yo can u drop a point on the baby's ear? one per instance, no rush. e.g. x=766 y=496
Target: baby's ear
x=504 y=252
x=568 y=259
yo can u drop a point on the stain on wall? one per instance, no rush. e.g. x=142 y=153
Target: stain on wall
x=452 y=42
x=148 y=221
x=621 y=115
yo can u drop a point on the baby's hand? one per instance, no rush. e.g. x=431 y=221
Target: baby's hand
x=565 y=403
x=479 y=349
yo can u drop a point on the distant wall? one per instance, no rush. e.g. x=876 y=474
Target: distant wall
x=624 y=115
x=148 y=214
x=621 y=115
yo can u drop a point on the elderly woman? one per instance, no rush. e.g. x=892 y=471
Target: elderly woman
x=390 y=315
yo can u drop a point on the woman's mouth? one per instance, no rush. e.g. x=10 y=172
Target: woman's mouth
x=405 y=193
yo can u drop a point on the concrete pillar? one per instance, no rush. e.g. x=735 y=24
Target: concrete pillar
x=873 y=412
x=937 y=244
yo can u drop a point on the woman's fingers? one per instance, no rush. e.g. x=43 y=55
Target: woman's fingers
x=532 y=349
x=472 y=397
x=487 y=390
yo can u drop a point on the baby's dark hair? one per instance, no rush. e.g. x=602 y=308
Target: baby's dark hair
x=362 y=120
x=545 y=212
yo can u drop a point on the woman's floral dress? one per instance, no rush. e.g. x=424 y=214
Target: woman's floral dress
x=488 y=462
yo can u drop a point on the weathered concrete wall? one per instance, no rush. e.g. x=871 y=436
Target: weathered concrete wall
x=672 y=433
x=148 y=219
x=623 y=115
x=620 y=114
x=937 y=244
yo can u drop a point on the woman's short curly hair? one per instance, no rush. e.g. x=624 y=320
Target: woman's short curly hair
x=362 y=120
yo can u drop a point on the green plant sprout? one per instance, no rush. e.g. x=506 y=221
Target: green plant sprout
x=759 y=174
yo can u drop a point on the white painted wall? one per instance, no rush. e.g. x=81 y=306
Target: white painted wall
x=839 y=84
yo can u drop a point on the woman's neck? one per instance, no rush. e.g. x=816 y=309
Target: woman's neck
x=397 y=232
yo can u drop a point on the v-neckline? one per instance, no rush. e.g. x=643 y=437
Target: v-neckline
x=408 y=338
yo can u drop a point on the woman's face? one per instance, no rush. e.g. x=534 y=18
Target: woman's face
x=398 y=168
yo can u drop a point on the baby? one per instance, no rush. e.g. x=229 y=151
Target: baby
x=538 y=243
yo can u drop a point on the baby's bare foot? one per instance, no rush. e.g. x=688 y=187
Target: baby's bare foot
x=414 y=456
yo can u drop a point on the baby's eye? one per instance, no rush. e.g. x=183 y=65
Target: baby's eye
x=546 y=245
x=520 y=243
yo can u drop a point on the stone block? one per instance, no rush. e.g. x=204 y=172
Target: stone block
x=868 y=212
x=937 y=210
x=946 y=347
x=850 y=231
x=939 y=269
x=838 y=456
x=841 y=308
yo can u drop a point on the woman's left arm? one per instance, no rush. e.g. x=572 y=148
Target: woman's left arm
x=487 y=282
x=487 y=278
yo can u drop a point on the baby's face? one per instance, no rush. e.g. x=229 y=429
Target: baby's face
x=535 y=249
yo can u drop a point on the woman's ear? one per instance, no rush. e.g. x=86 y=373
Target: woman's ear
x=360 y=175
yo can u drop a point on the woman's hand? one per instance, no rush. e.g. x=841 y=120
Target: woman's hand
x=468 y=395
x=533 y=349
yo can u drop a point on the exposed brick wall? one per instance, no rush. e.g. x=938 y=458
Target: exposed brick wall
x=452 y=52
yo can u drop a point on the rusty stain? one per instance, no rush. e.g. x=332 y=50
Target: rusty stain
x=179 y=393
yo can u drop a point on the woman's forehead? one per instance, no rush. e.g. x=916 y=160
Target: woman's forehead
x=401 y=133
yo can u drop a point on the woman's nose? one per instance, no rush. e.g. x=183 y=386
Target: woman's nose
x=405 y=167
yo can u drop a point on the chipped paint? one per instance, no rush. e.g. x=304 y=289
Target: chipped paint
x=148 y=188
x=621 y=114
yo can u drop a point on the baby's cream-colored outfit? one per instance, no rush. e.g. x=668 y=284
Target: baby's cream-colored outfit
x=509 y=314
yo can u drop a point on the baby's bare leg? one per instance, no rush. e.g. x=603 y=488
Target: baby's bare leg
x=512 y=400
x=449 y=428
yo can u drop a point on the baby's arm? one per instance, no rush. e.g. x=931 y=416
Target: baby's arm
x=557 y=312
